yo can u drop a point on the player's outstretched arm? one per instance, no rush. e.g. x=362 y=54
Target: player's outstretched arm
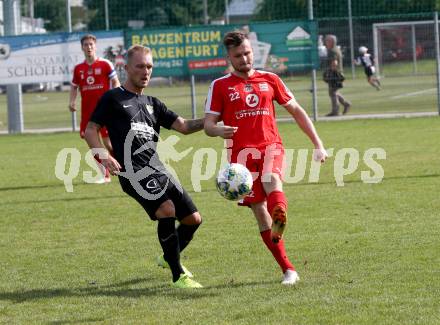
x=214 y=130
x=91 y=135
x=306 y=125
x=187 y=126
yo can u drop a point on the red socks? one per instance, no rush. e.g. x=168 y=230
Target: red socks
x=278 y=251
x=104 y=170
x=276 y=198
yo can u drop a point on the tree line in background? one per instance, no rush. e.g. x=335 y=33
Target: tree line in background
x=297 y=9
x=155 y=13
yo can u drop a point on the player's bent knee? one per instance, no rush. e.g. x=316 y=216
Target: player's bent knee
x=270 y=178
x=272 y=182
x=193 y=219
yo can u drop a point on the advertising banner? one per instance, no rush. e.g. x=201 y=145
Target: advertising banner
x=51 y=57
x=182 y=51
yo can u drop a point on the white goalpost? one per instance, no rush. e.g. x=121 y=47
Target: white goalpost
x=412 y=33
x=423 y=39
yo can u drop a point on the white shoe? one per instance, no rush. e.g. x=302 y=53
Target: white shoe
x=103 y=180
x=100 y=180
x=290 y=277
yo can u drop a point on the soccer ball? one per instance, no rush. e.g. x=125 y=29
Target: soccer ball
x=234 y=181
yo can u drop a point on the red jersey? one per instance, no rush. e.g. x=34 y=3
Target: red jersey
x=248 y=104
x=93 y=81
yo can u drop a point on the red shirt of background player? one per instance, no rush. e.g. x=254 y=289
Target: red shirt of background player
x=93 y=81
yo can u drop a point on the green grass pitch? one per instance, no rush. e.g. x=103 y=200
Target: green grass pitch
x=366 y=253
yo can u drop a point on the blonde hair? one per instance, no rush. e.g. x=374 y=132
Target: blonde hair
x=137 y=48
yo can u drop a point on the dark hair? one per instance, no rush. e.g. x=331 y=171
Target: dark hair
x=88 y=36
x=137 y=48
x=234 y=39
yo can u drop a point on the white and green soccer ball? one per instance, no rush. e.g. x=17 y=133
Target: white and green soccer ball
x=234 y=181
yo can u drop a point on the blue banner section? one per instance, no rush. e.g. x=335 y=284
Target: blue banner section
x=22 y=42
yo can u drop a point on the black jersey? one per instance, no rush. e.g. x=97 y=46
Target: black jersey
x=366 y=60
x=134 y=121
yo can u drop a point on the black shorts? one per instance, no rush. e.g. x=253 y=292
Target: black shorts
x=368 y=71
x=155 y=189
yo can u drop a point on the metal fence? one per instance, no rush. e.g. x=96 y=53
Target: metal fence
x=405 y=49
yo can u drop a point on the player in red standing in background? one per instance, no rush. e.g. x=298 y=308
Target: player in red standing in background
x=244 y=99
x=93 y=78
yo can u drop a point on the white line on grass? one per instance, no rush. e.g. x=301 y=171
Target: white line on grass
x=416 y=93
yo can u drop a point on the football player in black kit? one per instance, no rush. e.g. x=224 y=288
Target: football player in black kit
x=367 y=60
x=133 y=121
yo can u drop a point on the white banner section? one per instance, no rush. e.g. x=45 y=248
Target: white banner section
x=51 y=57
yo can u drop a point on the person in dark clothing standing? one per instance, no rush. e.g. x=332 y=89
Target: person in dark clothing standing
x=334 y=77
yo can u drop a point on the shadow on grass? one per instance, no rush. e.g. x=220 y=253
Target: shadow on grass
x=81 y=198
x=80 y=321
x=235 y=285
x=121 y=289
x=43 y=186
x=30 y=187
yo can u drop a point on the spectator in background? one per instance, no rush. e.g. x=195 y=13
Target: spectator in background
x=367 y=60
x=334 y=77
x=93 y=78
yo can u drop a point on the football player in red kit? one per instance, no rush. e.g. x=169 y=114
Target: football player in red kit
x=93 y=78
x=243 y=100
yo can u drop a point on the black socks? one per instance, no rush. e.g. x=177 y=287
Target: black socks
x=185 y=234
x=169 y=240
